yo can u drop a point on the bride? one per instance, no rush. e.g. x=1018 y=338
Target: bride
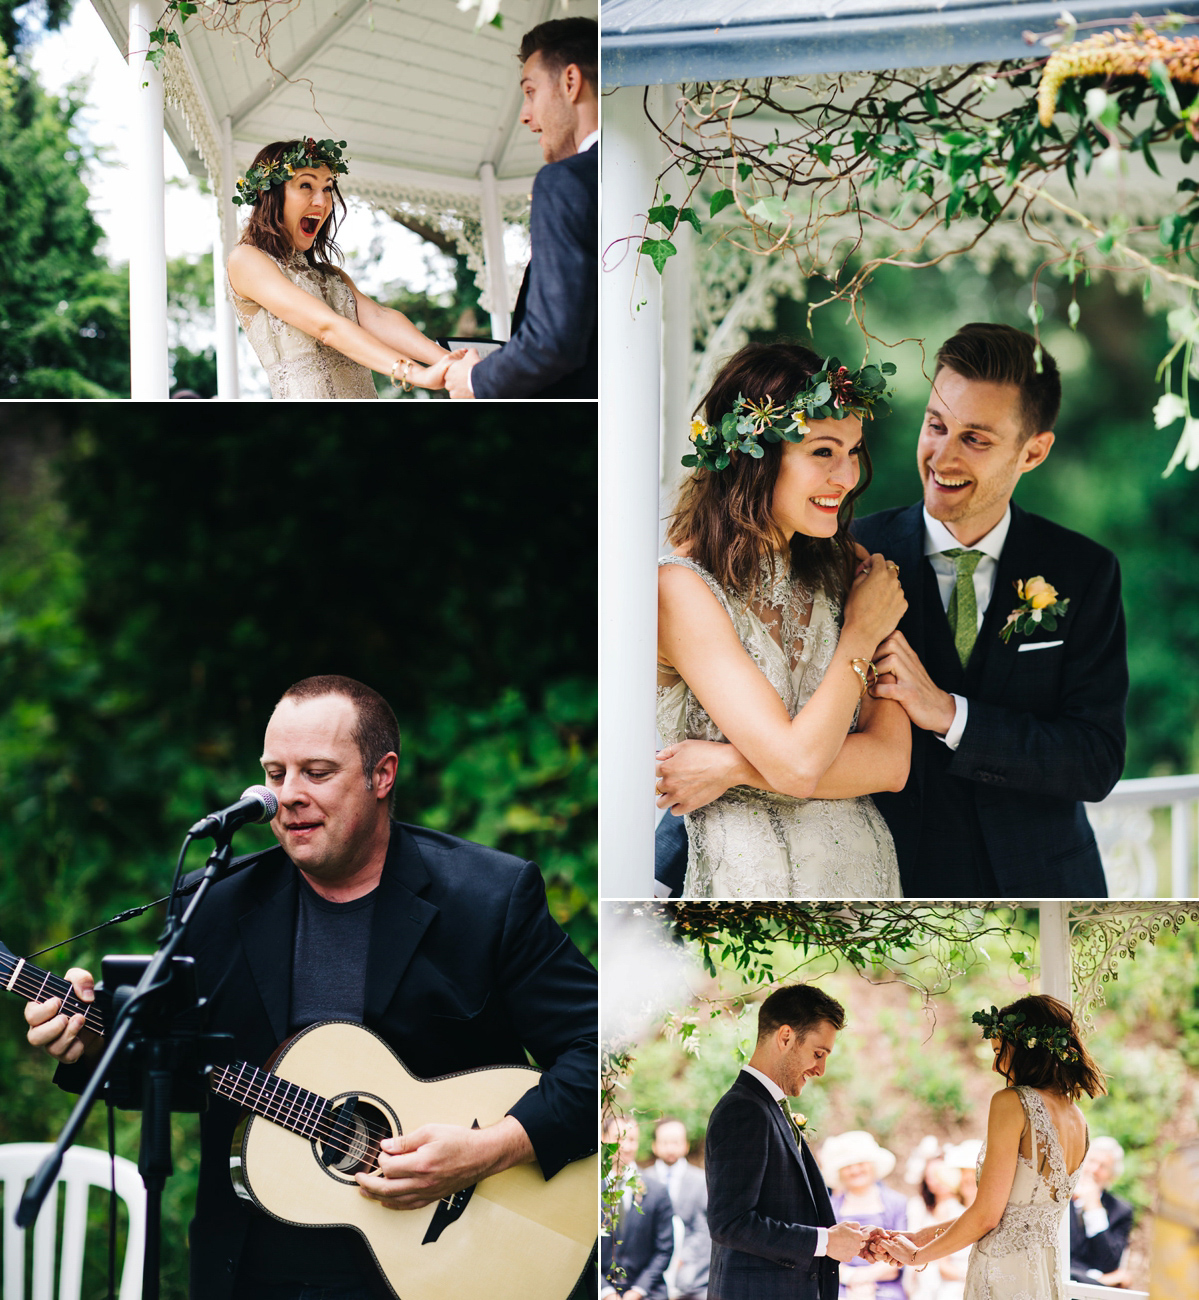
x=766 y=635
x=315 y=332
x=1036 y=1141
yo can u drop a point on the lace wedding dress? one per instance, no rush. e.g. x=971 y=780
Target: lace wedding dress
x=1018 y=1259
x=297 y=365
x=755 y=843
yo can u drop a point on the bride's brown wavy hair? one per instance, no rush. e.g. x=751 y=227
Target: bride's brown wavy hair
x=725 y=516
x=265 y=227
x=1037 y=1066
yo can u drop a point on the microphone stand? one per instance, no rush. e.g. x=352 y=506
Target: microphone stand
x=144 y=1019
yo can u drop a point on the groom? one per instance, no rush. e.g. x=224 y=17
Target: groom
x=553 y=351
x=774 y=1234
x=1010 y=736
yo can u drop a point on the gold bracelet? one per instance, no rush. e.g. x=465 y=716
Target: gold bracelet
x=402 y=383
x=866 y=671
x=943 y=1228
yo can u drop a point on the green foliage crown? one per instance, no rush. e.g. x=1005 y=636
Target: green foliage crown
x=832 y=394
x=1013 y=1029
x=308 y=153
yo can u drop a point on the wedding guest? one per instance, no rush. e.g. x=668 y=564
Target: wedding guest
x=940 y=1201
x=854 y=1165
x=964 y=1157
x=1100 y=1223
x=636 y=1245
x=687 y=1276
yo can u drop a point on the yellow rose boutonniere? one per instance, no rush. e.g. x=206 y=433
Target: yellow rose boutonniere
x=1039 y=610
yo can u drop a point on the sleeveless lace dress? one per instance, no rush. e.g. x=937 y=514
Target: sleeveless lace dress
x=755 y=843
x=297 y=365
x=1018 y=1259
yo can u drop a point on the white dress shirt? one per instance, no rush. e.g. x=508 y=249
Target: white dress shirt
x=779 y=1095
x=588 y=141
x=937 y=539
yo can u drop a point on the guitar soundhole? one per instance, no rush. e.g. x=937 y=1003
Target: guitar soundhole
x=349 y=1137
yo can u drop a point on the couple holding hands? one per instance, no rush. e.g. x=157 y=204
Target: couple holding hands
x=917 y=703
x=774 y=1231
x=320 y=337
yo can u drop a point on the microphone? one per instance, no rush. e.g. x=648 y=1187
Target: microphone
x=257 y=804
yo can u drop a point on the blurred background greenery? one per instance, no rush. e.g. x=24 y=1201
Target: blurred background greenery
x=1103 y=477
x=903 y=1069
x=166 y=571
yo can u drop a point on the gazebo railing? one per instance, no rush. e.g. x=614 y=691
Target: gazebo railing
x=1088 y=1291
x=1133 y=841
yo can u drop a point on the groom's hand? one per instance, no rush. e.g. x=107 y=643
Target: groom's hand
x=845 y=1240
x=457 y=377
x=929 y=707
x=694 y=772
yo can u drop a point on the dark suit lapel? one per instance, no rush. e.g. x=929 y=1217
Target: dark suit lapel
x=268 y=944
x=399 y=923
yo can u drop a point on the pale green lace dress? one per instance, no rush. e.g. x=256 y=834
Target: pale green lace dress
x=1019 y=1258
x=298 y=366
x=754 y=843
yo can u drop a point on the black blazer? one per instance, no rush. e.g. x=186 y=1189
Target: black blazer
x=637 y=1250
x=466 y=968
x=1045 y=729
x=766 y=1198
x=554 y=348
x=1104 y=1251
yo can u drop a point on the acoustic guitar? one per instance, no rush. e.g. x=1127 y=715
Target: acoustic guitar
x=333 y=1093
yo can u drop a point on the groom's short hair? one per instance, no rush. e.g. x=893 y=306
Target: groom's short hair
x=999 y=354
x=802 y=1006
x=563 y=41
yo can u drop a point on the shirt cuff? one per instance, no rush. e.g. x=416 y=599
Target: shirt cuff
x=953 y=737
x=470 y=383
x=1094 y=1274
x=821 y=1242
x=1095 y=1221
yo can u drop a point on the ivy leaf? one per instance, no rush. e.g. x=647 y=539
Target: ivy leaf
x=720 y=200
x=769 y=209
x=659 y=250
x=824 y=152
x=695 y=169
x=665 y=214
x=1159 y=78
x=690 y=214
x=745 y=170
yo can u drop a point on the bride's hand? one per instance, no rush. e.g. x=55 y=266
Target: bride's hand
x=876 y=601
x=896 y=1248
x=434 y=376
x=694 y=773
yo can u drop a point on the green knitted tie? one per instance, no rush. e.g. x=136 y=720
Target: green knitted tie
x=963 y=605
x=795 y=1129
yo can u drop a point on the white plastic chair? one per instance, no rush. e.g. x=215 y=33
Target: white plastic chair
x=82 y=1167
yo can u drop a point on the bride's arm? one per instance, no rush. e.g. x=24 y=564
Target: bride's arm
x=255 y=276
x=697 y=638
x=875 y=757
x=1005 y=1124
x=393 y=327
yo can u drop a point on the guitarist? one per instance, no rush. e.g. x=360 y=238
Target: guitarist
x=444 y=948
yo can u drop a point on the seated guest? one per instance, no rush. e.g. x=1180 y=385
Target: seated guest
x=1100 y=1223
x=638 y=1236
x=854 y=1165
x=687 y=1277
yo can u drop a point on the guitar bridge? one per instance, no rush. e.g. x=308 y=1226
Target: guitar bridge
x=449 y=1210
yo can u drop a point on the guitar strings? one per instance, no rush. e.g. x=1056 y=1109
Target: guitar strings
x=28 y=985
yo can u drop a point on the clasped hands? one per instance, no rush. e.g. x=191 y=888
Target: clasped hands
x=887 y=1247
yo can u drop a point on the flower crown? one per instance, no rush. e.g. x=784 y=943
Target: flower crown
x=308 y=153
x=1012 y=1029
x=833 y=394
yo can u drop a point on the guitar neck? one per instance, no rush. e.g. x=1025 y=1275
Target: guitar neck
x=36 y=985
x=283 y=1103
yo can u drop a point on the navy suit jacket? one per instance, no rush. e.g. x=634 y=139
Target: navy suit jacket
x=1045 y=728
x=766 y=1198
x=637 y=1250
x=1105 y=1249
x=554 y=351
x=466 y=968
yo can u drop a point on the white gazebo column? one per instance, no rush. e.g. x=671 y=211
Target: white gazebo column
x=630 y=345
x=149 y=370
x=494 y=261
x=678 y=291
x=1055 y=952
x=227 y=384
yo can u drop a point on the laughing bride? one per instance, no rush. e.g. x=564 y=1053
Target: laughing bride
x=315 y=332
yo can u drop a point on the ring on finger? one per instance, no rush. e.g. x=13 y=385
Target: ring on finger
x=893 y=567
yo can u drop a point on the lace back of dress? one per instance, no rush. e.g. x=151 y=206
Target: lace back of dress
x=1046 y=1156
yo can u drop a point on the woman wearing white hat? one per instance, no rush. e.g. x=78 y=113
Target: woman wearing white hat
x=855 y=1165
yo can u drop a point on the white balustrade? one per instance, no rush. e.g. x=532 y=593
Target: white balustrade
x=1126 y=830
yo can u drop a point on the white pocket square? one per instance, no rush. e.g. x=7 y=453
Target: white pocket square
x=1039 y=645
